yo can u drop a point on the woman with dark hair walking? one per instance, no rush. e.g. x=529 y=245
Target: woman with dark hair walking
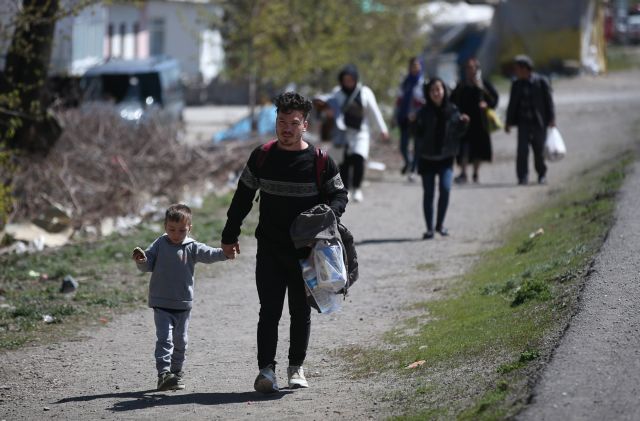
x=439 y=127
x=473 y=96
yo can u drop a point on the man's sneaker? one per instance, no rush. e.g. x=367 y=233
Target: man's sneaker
x=179 y=381
x=295 y=373
x=167 y=381
x=358 y=196
x=266 y=381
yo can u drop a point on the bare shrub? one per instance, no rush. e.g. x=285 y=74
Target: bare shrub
x=104 y=166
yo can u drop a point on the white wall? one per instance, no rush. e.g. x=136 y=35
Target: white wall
x=188 y=38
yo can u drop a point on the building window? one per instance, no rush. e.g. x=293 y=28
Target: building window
x=136 y=31
x=109 y=40
x=123 y=32
x=156 y=34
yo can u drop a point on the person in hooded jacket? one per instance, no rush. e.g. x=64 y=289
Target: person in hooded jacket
x=408 y=101
x=356 y=114
x=439 y=127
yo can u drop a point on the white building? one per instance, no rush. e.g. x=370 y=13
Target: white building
x=121 y=29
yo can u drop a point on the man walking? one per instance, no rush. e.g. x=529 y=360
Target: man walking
x=285 y=174
x=531 y=109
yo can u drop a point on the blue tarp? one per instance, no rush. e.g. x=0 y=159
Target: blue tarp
x=241 y=130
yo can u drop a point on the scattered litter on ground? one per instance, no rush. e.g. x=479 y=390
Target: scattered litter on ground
x=69 y=284
x=415 y=364
x=536 y=233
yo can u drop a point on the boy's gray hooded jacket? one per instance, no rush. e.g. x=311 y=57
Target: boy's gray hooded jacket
x=172 y=267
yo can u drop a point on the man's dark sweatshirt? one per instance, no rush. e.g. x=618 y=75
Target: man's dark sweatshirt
x=288 y=186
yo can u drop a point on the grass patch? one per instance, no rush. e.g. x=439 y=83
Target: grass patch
x=622 y=57
x=108 y=280
x=496 y=326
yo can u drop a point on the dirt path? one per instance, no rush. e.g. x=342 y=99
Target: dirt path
x=110 y=373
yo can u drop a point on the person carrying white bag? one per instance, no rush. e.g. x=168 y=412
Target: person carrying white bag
x=532 y=111
x=554 y=147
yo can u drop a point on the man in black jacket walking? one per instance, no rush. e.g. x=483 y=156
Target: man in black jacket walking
x=285 y=174
x=531 y=109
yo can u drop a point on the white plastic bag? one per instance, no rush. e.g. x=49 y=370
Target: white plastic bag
x=554 y=147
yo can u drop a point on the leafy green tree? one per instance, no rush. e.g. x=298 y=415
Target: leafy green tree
x=275 y=42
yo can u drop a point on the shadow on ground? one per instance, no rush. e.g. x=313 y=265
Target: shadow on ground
x=386 y=240
x=132 y=401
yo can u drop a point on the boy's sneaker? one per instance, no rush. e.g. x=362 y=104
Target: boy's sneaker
x=266 y=381
x=179 y=383
x=167 y=381
x=295 y=373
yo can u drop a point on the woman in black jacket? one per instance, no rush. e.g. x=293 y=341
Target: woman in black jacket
x=439 y=127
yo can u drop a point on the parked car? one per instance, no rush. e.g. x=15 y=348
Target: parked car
x=633 y=28
x=138 y=89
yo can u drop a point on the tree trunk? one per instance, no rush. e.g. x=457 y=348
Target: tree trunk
x=27 y=125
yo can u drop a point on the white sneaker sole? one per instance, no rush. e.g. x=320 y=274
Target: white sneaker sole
x=298 y=384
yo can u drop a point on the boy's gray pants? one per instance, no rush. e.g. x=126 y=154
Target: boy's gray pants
x=171 y=338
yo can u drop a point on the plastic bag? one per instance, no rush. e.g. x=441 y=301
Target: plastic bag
x=323 y=299
x=554 y=147
x=493 y=119
x=328 y=261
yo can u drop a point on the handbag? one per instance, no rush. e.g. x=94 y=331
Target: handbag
x=493 y=120
x=554 y=147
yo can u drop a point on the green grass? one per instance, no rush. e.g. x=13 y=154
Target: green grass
x=621 y=57
x=109 y=282
x=496 y=325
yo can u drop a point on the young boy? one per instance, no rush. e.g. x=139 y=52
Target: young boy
x=171 y=259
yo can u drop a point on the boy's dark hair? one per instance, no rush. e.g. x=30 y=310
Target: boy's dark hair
x=292 y=101
x=177 y=213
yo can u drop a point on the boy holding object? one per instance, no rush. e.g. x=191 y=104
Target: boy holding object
x=171 y=259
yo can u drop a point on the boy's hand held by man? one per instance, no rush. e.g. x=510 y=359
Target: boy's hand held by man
x=231 y=250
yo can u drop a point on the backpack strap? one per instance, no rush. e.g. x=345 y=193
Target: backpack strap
x=264 y=151
x=321 y=166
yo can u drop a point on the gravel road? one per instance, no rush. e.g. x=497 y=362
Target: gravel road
x=108 y=373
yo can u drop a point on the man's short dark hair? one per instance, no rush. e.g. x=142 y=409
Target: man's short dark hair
x=292 y=101
x=523 y=60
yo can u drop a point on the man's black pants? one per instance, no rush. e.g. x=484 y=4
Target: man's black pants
x=535 y=136
x=278 y=271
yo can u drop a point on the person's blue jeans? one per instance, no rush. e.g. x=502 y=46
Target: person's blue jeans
x=444 y=172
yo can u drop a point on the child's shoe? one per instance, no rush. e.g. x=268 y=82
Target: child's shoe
x=167 y=381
